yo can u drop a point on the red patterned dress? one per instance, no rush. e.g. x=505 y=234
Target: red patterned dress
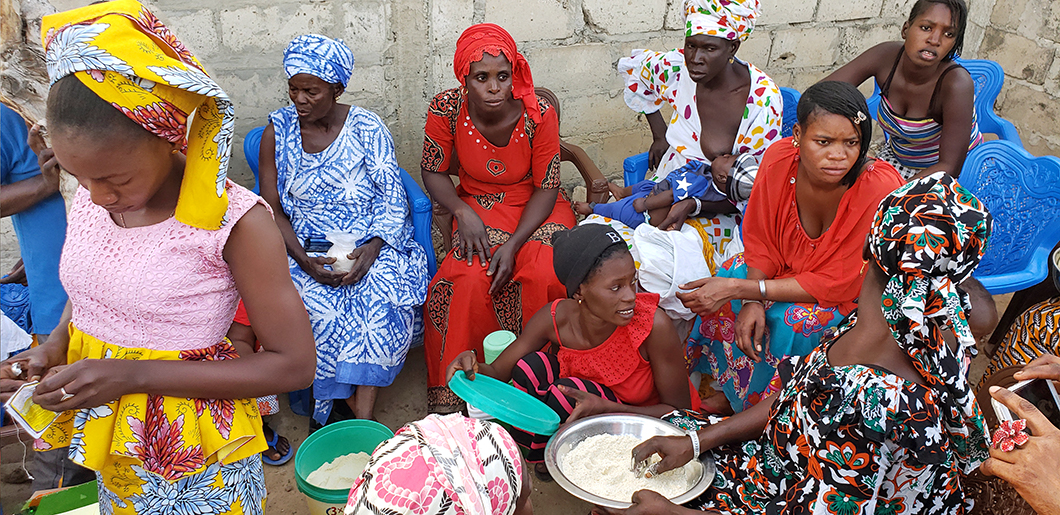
x=496 y=182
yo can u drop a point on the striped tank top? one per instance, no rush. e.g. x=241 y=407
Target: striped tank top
x=913 y=143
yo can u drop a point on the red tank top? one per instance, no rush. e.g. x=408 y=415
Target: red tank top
x=617 y=363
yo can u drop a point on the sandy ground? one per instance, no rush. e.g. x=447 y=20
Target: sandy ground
x=403 y=402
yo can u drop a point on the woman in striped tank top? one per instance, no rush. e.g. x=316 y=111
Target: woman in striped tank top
x=921 y=86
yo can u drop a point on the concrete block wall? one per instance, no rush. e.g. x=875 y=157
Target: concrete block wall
x=404 y=50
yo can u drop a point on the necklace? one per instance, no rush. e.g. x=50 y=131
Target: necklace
x=121 y=216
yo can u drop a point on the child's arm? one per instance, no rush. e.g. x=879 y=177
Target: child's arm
x=256 y=255
x=663 y=199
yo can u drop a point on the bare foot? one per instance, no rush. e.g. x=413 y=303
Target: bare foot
x=582 y=208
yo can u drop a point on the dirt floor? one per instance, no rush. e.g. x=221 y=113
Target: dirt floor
x=403 y=402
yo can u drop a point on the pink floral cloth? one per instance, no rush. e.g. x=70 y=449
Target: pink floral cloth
x=442 y=465
x=162 y=287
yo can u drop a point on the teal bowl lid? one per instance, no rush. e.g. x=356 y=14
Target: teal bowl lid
x=505 y=403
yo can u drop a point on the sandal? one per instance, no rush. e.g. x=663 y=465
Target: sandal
x=272 y=446
x=542 y=473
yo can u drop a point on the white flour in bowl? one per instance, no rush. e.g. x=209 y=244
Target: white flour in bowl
x=339 y=473
x=600 y=465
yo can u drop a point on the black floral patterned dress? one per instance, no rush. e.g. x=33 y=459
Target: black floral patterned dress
x=844 y=440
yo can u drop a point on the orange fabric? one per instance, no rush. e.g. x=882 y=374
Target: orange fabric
x=617 y=362
x=243 y=318
x=491 y=38
x=496 y=182
x=828 y=267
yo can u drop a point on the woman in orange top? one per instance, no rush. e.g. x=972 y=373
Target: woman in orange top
x=804 y=229
x=609 y=348
x=504 y=141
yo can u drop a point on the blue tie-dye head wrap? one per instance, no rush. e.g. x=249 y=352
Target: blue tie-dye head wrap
x=319 y=56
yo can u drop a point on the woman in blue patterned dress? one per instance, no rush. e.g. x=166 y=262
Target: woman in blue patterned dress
x=330 y=167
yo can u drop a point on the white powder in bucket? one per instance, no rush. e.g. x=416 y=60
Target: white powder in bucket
x=600 y=465
x=339 y=473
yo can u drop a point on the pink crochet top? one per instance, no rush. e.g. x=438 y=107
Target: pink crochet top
x=162 y=287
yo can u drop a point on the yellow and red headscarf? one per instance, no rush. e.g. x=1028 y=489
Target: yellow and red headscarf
x=124 y=54
x=490 y=38
x=726 y=19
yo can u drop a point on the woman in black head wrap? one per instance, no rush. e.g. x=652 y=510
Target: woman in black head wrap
x=609 y=348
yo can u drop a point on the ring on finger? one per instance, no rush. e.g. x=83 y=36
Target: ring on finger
x=66 y=395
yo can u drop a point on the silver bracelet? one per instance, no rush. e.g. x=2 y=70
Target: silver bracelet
x=751 y=301
x=762 y=288
x=699 y=207
x=695 y=443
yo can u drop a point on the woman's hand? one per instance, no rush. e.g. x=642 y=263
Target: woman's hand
x=1034 y=468
x=86 y=383
x=646 y=502
x=49 y=166
x=501 y=265
x=473 y=238
x=708 y=295
x=656 y=151
x=363 y=257
x=675 y=451
x=1046 y=366
x=465 y=361
x=314 y=266
x=679 y=212
x=586 y=404
x=750 y=325
x=17 y=275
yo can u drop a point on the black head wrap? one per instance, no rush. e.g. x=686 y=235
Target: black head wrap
x=575 y=252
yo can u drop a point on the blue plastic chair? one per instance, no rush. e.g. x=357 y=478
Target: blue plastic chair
x=1022 y=193
x=635 y=167
x=988 y=77
x=419 y=203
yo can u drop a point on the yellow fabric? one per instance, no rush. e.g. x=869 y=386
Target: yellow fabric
x=168 y=436
x=130 y=59
x=708 y=247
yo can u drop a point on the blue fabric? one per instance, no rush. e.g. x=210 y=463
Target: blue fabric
x=319 y=56
x=622 y=210
x=14 y=302
x=362 y=331
x=41 y=230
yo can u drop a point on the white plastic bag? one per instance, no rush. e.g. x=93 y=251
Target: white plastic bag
x=667 y=260
x=341 y=245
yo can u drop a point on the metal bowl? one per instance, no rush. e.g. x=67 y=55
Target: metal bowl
x=640 y=426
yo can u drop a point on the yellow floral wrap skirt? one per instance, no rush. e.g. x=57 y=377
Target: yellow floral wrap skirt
x=159 y=454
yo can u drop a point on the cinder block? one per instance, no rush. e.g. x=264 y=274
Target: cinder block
x=831 y=10
x=1019 y=16
x=609 y=150
x=1020 y=57
x=787 y=11
x=755 y=49
x=366 y=30
x=625 y=16
x=1032 y=111
x=596 y=113
x=535 y=20
x=1051 y=23
x=449 y=18
x=804 y=47
x=859 y=38
x=254 y=27
x=582 y=68
x=675 y=16
x=197 y=30
x=900 y=8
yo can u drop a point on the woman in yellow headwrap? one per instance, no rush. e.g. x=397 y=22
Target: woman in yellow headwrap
x=160 y=247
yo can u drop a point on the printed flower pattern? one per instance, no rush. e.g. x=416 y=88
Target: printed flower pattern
x=158 y=443
x=1011 y=434
x=70 y=50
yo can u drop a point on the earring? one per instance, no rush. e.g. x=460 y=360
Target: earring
x=463 y=91
x=732 y=60
x=795 y=143
x=174 y=151
x=864 y=263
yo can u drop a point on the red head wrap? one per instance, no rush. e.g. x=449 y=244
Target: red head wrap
x=491 y=38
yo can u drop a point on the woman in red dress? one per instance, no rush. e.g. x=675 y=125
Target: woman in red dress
x=504 y=141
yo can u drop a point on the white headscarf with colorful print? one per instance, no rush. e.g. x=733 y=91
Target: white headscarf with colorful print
x=726 y=19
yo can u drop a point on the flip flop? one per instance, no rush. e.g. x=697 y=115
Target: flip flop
x=272 y=445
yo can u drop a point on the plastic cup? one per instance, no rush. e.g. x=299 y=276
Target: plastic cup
x=495 y=343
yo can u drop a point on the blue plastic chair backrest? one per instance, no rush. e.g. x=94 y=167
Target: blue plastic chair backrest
x=791 y=114
x=1022 y=193
x=420 y=207
x=251 y=145
x=988 y=77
